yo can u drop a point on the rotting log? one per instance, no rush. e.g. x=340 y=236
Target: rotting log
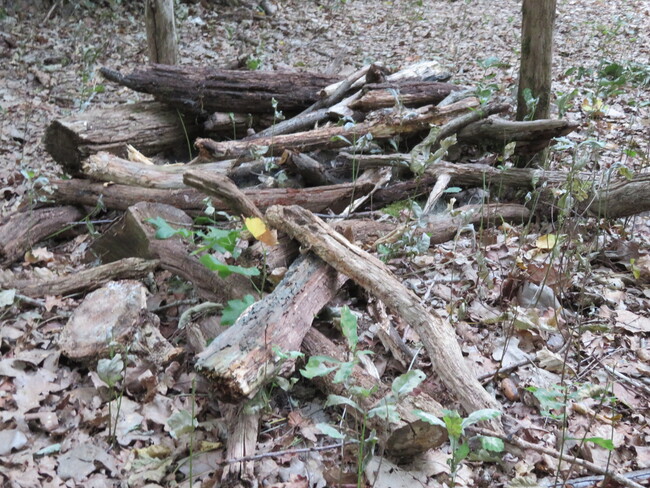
x=383 y=127
x=22 y=230
x=150 y=127
x=107 y=167
x=531 y=136
x=121 y=197
x=133 y=236
x=435 y=332
x=242 y=359
x=402 y=440
x=85 y=280
x=204 y=90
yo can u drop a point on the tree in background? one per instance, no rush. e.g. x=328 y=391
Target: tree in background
x=161 y=31
x=536 y=59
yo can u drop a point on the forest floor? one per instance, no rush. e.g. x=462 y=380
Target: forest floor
x=53 y=411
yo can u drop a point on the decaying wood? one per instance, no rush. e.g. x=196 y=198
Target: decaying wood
x=133 y=236
x=121 y=197
x=300 y=122
x=85 y=280
x=402 y=440
x=204 y=90
x=116 y=313
x=107 y=167
x=241 y=360
x=435 y=332
x=312 y=172
x=21 y=230
x=531 y=136
x=222 y=187
x=243 y=429
x=150 y=127
x=616 y=198
x=340 y=136
x=408 y=93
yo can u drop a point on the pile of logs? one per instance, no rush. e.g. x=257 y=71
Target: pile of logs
x=228 y=125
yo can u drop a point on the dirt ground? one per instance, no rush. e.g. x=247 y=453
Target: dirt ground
x=50 y=53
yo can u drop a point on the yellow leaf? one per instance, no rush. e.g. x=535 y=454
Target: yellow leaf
x=154 y=451
x=547 y=241
x=257 y=227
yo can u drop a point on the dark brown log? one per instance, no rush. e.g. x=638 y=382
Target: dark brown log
x=531 y=136
x=150 y=127
x=383 y=127
x=408 y=93
x=403 y=440
x=204 y=90
x=133 y=236
x=435 y=332
x=22 y=230
x=241 y=360
x=121 y=197
x=86 y=280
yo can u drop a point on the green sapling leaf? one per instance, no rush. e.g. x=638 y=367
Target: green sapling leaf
x=493 y=444
x=480 y=416
x=329 y=431
x=334 y=400
x=430 y=418
x=110 y=370
x=316 y=367
x=181 y=422
x=349 y=328
x=234 y=309
x=406 y=383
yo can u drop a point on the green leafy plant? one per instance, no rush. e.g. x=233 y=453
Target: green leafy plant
x=459 y=443
x=111 y=372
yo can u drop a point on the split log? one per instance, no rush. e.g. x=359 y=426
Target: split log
x=402 y=440
x=407 y=93
x=241 y=360
x=334 y=137
x=243 y=430
x=531 y=136
x=150 y=127
x=204 y=91
x=435 y=332
x=121 y=197
x=85 y=280
x=609 y=198
x=133 y=236
x=22 y=230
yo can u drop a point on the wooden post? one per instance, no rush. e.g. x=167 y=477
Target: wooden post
x=536 y=56
x=161 y=31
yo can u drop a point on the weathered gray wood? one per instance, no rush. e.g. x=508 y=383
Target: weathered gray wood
x=161 y=31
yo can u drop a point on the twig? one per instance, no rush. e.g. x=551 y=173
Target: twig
x=263 y=455
x=594 y=468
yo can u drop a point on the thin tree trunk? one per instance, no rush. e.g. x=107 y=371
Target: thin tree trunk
x=161 y=31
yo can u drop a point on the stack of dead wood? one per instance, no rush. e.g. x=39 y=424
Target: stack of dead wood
x=332 y=130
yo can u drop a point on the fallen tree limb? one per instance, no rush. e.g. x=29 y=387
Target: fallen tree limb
x=21 y=230
x=408 y=93
x=241 y=360
x=121 y=197
x=436 y=333
x=402 y=440
x=85 y=280
x=204 y=90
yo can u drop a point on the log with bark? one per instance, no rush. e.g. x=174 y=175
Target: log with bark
x=408 y=93
x=22 y=230
x=435 y=332
x=134 y=236
x=150 y=127
x=203 y=91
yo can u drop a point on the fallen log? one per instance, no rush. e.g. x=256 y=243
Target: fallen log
x=436 y=333
x=22 y=230
x=133 y=236
x=605 y=199
x=204 y=91
x=242 y=359
x=383 y=127
x=402 y=440
x=151 y=127
x=85 y=280
x=121 y=197
x=408 y=93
